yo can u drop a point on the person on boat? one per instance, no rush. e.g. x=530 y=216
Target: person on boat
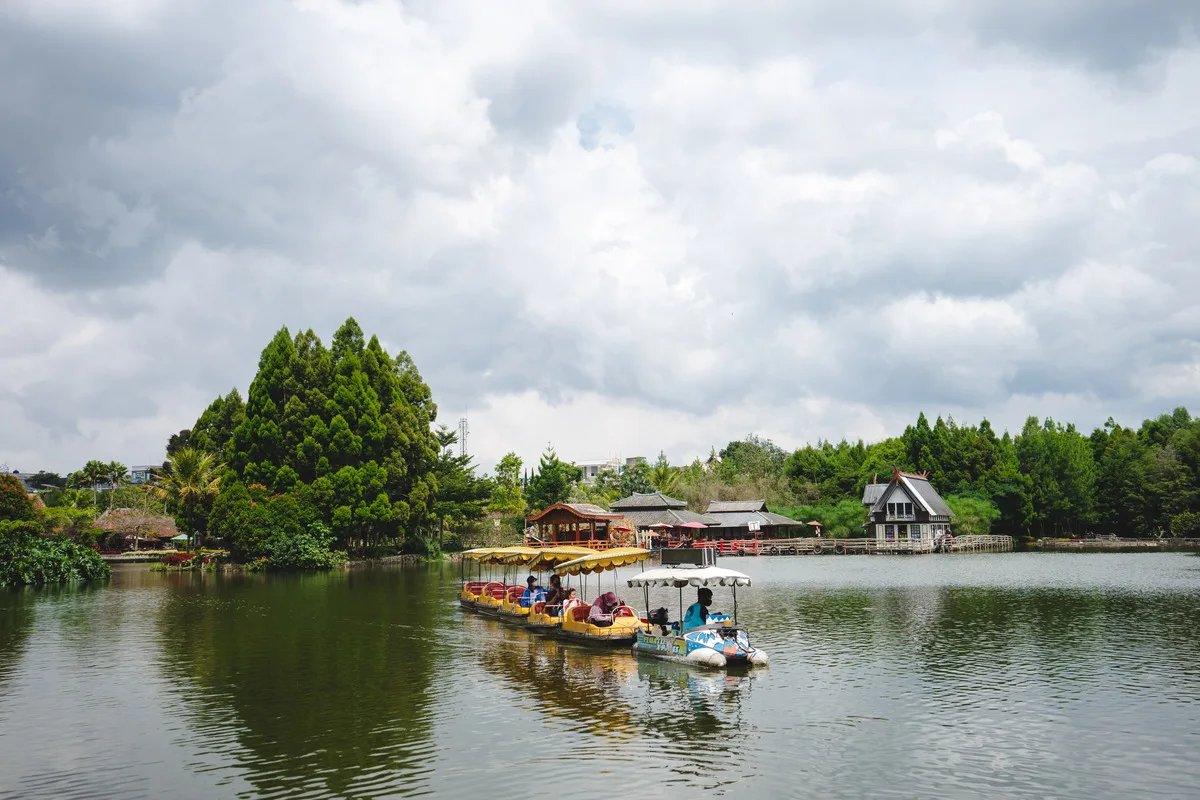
x=533 y=593
x=570 y=600
x=602 y=610
x=556 y=596
x=697 y=613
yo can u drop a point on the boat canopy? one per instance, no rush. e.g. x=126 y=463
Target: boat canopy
x=561 y=553
x=603 y=560
x=477 y=553
x=517 y=555
x=681 y=576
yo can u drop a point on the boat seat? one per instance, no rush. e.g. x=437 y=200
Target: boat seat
x=538 y=608
x=580 y=613
x=624 y=611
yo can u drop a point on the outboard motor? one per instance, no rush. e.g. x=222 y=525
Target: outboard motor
x=658 y=617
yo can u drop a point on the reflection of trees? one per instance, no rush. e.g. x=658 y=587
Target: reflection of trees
x=328 y=675
x=16 y=621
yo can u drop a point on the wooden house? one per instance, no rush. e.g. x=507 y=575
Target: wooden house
x=734 y=517
x=573 y=523
x=655 y=508
x=906 y=509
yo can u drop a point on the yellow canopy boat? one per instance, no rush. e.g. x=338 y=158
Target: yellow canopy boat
x=543 y=618
x=614 y=622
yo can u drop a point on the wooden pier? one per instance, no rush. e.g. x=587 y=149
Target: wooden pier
x=823 y=546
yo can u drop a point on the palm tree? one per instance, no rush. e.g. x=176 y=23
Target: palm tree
x=117 y=475
x=190 y=483
x=93 y=472
x=663 y=476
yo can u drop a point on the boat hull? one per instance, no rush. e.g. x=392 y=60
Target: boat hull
x=700 y=649
x=618 y=638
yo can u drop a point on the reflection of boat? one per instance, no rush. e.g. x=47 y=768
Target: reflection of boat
x=721 y=642
x=683 y=675
x=622 y=625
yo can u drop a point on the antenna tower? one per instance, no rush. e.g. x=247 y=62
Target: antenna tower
x=463 y=430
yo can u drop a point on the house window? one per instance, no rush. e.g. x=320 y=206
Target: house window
x=914 y=531
x=891 y=511
x=889 y=531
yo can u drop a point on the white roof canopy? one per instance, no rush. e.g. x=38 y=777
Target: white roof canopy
x=684 y=576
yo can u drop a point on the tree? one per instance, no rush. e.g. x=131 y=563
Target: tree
x=635 y=479
x=46 y=480
x=191 y=482
x=15 y=503
x=506 y=496
x=117 y=475
x=93 y=473
x=973 y=515
x=664 y=477
x=551 y=483
x=178 y=441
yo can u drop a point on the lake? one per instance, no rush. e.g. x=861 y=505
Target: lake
x=1014 y=675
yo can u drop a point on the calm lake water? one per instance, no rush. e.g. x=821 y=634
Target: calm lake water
x=1000 y=675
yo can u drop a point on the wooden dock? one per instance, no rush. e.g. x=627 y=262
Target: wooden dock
x=823 y=546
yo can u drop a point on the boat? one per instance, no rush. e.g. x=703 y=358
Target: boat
x=543 y=618
x=625 y=624
x=719 y=643
x=486 y=596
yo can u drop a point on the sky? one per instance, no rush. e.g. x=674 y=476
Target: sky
x=619 y=228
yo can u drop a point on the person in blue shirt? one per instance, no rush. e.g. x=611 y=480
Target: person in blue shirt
x=697 y=613
x=533 y=593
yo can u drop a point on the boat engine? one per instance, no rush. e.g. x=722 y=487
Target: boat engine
x=658 y=617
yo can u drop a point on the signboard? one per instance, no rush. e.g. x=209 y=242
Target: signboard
x=754 y=525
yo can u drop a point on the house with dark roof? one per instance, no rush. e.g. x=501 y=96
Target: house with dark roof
x=655 y=508
x=906 y=509
x=734 y=518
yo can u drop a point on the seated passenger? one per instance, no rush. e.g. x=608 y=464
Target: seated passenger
x=570 y=601
x=602 y=610
x=556 y=596
x=533 y=593
x=697 y=613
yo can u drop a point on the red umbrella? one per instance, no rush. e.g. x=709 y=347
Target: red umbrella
x=661 y=525
x=693 y=524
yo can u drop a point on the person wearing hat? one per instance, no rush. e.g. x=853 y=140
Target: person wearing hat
x=697 y=613
x=533 y=593
x=602 y=610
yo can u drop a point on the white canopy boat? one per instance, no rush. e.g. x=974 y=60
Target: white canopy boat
x=720 y=642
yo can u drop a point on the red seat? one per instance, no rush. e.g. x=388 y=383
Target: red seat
x=580 y=613
x=624 y=611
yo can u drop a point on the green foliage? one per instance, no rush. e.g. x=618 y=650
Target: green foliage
x=190 y=483
x=28 y=558
x=306 y=550
x=339 y=435
x=507 y=498
x=838 y=521
x=552 y=482
x=663 y=477
x=973 y=515
x=635 y=479
x=46 y=480
x=15 y=503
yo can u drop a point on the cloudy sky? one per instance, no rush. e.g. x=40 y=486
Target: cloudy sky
x=619 y=227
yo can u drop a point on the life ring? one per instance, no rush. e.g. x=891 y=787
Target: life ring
x=772 y=551
x=817 y=549
x=791 y=551
x=839 y=548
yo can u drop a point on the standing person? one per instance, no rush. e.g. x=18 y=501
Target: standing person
x=697 y=613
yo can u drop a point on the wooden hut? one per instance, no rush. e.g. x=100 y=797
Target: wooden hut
x=734 y=517
x=573 y=523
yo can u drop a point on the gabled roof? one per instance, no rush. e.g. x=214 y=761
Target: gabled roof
x=727 y=506
x=739 y=519
x=582 y=510
x=921 y=491
x=646 y=517
x=871 y=493
x=647 y=501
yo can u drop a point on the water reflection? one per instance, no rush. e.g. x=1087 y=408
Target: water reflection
x=323 y=683
x=16 y=621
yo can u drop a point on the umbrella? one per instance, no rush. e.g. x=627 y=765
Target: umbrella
x=814 y=523
x=661 y=525
x=693 y=524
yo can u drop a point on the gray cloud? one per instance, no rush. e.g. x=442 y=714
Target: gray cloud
x=661 y=226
